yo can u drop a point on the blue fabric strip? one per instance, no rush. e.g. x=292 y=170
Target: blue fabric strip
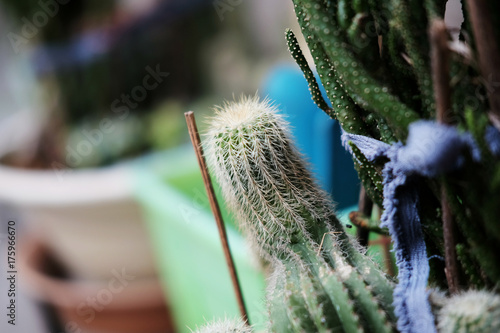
x=431 y=149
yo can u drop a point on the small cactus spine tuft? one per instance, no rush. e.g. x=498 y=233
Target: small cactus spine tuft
x=471 y=311
x=225 y=326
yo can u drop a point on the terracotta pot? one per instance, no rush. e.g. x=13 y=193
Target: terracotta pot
x=122 y=304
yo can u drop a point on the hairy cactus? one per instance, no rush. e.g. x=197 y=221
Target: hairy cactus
x=287 y=217
x=472 y=311
x=225 y=326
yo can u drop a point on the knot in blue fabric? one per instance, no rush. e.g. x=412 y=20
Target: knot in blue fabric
x=431 y=149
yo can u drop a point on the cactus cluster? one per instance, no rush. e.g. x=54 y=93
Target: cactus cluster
x=386 y=83
x=378 y=56
x=375 y=62
x=322 y=281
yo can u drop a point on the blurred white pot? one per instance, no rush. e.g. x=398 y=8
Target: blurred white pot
x=88 y=218
x=123 y=304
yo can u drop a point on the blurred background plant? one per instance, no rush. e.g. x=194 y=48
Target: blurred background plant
x=86 y=55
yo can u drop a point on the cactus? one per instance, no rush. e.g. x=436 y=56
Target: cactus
x=384 y=105
x=472 y=311
x=225 y=326
x=286 y=216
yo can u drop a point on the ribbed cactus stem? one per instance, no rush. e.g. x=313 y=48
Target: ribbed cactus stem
x=372 y=316
x=468 y=266
x=294 y=48
x=370 y=177
x=300 y=314
x=326 y=301
x=335 y=288
x=343 y=108
x=278 y=318
x=317 y=300
x=363 y=88
x=416 y=47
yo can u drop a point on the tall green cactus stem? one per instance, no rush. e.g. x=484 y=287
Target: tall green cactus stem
x=317 y=97
x=302 y=319
x=349 y=115
x=411 y=13
x=472 y=311
x=343 y=108
x=287 y=216
x=370 y=177
x=480 y=244
x=468 y=267
x=386 y=134
x=362 y=87
x=309 y=295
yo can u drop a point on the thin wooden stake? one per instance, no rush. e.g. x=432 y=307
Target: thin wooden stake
x=361 y=221
x=195 y=140
x=441 y=70
x=385 y=243
x=442 y=92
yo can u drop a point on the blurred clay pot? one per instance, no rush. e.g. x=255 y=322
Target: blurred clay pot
x=88 y=218
x=122 y=304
